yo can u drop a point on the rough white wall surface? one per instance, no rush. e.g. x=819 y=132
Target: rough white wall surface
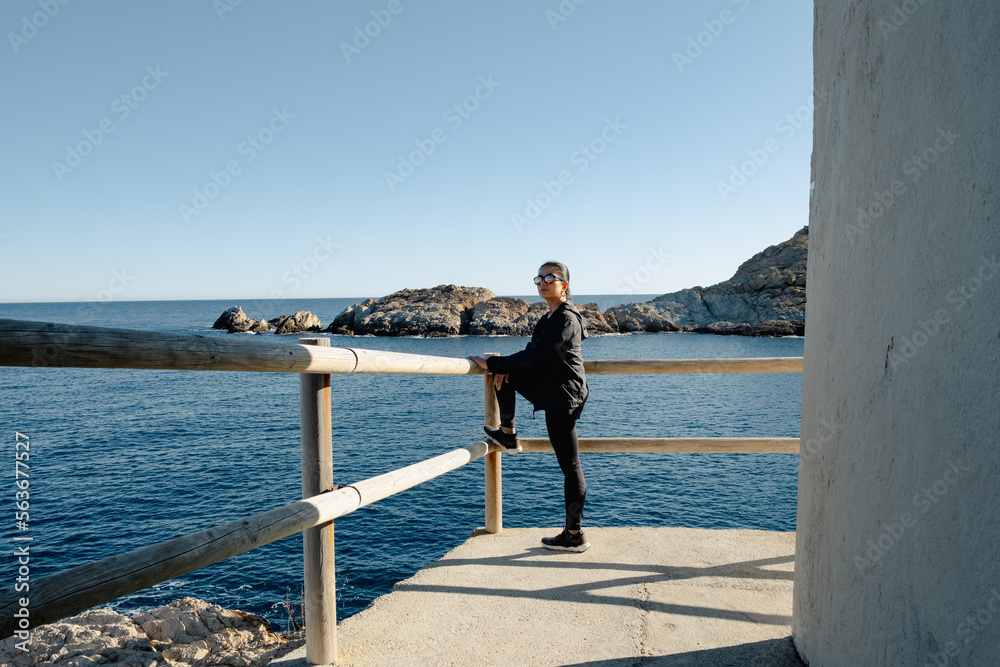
x=898 y=533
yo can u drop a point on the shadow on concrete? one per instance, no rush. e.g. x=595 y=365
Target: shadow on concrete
x=588 y=592
x=768 y=653
x=753 y=569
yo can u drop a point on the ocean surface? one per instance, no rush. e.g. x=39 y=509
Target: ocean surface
x=123 y=458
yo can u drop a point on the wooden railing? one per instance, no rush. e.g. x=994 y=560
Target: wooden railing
x=79 y=588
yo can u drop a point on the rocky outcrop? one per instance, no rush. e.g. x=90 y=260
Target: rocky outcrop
x=596 y=322
x=235 y=320
x=300 y=322
x=343 y=324
x=502 y=316
x=184 y=632
x=510 y=316
x=765 y=297
x=445 y=310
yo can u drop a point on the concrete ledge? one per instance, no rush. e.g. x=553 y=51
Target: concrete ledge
x=638 y=596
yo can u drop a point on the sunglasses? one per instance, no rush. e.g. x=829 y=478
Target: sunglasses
x=548 y=278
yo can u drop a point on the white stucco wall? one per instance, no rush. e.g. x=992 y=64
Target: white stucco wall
x=898 y=532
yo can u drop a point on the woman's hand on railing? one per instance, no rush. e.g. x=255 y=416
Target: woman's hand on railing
x=498 y=378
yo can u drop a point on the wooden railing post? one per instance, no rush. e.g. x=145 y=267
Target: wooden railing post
x=494 y=477
x=317 y=476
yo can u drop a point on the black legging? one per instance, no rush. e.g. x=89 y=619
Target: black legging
x=562 y=434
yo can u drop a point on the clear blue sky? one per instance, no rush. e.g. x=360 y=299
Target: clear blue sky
x=320 y=139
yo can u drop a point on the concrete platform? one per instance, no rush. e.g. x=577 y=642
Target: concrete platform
x=638 y=596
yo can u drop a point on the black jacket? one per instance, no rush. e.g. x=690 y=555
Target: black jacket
x=552 y=360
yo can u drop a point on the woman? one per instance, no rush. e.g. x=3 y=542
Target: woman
x=549 y=373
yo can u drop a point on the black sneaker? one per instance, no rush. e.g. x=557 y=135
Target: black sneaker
x=565 y=541
x=507 y=441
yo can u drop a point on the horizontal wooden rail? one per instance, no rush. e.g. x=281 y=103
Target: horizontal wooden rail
x=60 y=345
x=648 y=366
x=674 y=445
x=76 y=589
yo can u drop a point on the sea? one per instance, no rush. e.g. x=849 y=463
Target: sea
x=121 y=459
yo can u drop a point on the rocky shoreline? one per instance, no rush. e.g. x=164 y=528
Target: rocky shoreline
x=185 y=632
x=765 y=297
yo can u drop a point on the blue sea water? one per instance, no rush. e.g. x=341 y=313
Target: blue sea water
x=124 y=458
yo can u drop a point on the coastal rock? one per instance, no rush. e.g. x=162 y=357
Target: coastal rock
x=510 y=316
x=343 y=324
x=192 y=631
x=445 y=310
x=765 y=297
x=93 y=637
x=259 y=326
x=185 y=632
x=640 y=317
x=235 y=320
x=596 y=322
x=299 y=322
x=500 y=316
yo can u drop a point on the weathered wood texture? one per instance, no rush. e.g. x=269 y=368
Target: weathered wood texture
x=60 y=345
x=320 y=585
x=658 y=366
x=376 y=488
x=494 y=464
x=674 y=445
x=79 y=588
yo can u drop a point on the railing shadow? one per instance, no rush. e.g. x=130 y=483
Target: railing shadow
x=587 y=593
x=746 y=569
